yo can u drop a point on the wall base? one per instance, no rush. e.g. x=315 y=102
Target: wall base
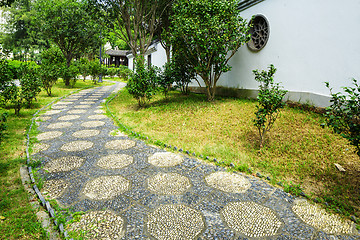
x=301 y=97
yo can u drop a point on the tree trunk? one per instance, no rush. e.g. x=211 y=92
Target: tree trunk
x=167 y=50
x=66 y=80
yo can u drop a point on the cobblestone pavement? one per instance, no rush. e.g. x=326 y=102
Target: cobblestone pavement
x=130 y=190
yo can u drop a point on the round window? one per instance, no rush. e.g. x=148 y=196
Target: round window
x=260 y=32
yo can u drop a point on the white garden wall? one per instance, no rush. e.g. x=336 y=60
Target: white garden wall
x=310 y=42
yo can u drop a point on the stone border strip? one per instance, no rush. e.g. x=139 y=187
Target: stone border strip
x=45 y=203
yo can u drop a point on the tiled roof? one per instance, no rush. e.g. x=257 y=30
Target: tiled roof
x=113 y=52
x=245 y=4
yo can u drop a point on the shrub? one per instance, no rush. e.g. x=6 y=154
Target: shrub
x=52 y=65
x=166 y=78
x=3 y=126
x=84 y=65
x=30 y=83
x=6 y=77
x=124 y=72
x=69 y=74
x=23 y=94
x=270 y=101
x=343 y=116
x=142 y=83
x=95 y=70
x=183 y=73
x=111 y=72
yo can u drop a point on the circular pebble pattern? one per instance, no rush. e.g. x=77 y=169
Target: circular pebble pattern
x=76 y=146
x=99 y=111
x=165 y=159
x=319 y=218
x=90 y=124
x=176 y=222
x=228 y=182
x=83 y=106
x=68 y=117
x=106 y=187
x=52 y=112
x=48 y=135
x=117 y=133
x=65 y=103
x=54 y=188
x=168 y=183
x=86 y=133
x=60 y=106
x=76 y=111
x=39 y=147
x=115 y=161
x=64 y=164
x=59 y=125
x=99 y=225
x=43 y=118
x=87 y=102
x=251 y=219
x=119 y=144
x=98 y=116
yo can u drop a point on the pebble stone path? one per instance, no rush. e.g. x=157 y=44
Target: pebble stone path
x=130 y=190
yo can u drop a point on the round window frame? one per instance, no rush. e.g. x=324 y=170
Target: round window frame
x=250 y=44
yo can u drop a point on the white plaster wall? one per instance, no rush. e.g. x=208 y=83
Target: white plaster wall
x=158 y=56
x=310 y=42
x=130 y=61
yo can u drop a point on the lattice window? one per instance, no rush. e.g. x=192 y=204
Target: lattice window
x=260 y=32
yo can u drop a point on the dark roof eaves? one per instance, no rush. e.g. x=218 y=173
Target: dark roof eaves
x=245 y=4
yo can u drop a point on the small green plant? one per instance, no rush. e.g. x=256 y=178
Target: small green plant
x=166 y=79
x=294 y=189
x=111 y=72
x=142 y=83
x=343 y=116
x=270 y=101
x=3 y=126
x=22 y=94
x=69 y=75
x=84 y=65
x=124 y=72
x=182 y=72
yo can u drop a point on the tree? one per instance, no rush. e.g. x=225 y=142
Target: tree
x=21 y=35
x=68 y=24
x=163 y=31
x=23 y=95
x=208 y=33
x=270 y=101
x=95 y=69
x=142 y=83
x=133 y=21
x=52 y=66
x=83 y=65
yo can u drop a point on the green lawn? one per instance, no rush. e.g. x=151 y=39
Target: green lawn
x=297 y=150
x=20 y=221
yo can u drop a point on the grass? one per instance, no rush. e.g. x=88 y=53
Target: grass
x=20 y=220
x=298 y=152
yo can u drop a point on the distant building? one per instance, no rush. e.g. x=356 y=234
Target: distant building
x=116 y=57
x=155 y=55
x=309 y=42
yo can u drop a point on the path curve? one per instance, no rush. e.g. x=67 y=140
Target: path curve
x=130 y=190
